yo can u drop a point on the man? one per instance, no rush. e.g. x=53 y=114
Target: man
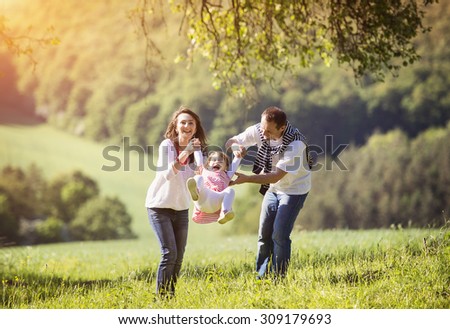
x=285 y=180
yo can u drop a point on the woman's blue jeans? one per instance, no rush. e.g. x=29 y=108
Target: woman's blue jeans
x=171 y=229
x=276 y=221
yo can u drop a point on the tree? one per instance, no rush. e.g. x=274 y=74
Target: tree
x=9 y=226
x=26 y=190
x=49 y=230
x=68 y=192
x=102 y=218
x=249 y=41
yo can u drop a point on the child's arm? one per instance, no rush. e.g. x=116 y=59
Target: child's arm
x=234 y=166
x=198 y=156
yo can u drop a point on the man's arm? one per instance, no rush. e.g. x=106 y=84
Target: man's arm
x=263 y=178
x=239 y=151
x=230 y=142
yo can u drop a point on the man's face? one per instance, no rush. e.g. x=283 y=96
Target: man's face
x=270 y=130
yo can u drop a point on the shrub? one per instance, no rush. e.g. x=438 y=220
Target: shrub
x=102 y=218
x=68 y=192
x=9 y=226
x=49 y=230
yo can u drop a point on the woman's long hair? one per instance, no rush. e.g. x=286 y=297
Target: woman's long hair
x=171 y=131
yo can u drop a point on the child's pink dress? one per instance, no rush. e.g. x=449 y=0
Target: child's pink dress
x=212 y=188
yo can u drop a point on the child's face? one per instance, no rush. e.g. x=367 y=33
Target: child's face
x=217 y=163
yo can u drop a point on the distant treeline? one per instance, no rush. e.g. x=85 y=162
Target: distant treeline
x=95 y=82
x=391 y=181
x=68 y=207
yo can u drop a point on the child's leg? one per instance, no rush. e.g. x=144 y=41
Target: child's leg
x=196 y=188
x=200 y=188
x=192 y=186
x=208 y=201
x=227 y=213
x=228 y=198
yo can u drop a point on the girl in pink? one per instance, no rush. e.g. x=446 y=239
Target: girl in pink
x=212 y=197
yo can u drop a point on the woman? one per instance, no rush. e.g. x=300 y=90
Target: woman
x=168 y=199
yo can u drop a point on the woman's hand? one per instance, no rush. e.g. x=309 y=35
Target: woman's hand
x=193 y=145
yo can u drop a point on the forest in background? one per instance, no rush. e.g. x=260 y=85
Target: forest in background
x=95 y=84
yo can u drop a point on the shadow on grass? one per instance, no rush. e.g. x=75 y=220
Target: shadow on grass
x=34 y=286
x=27 y=288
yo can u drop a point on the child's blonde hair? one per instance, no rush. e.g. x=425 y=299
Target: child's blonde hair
x=221 y=155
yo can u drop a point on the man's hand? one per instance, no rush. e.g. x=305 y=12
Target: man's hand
x=261 y=178
x=241 y=178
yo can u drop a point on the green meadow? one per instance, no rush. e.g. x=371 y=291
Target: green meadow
x=389 y=268
x=379 y=269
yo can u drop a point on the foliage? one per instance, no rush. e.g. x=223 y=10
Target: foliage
x=106 y=91
x=9 y=226
x=102 y=219
x=26 y=190
x=33 y=211
x=68 y=192
x=23 y=195
x=390 y=181
x=244 y=46
x=49 y=230
x=339 y=269
x=24 y=44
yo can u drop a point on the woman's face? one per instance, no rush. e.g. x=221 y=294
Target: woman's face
x=186 y=127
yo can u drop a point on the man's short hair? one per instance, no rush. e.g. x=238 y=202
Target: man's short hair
x=274 y=114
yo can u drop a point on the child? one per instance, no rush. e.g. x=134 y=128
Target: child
x=212 y=197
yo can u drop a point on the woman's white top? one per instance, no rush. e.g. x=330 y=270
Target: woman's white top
x=168 y=189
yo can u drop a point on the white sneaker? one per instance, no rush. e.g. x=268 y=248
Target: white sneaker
x=192 y=188
x=225 y=217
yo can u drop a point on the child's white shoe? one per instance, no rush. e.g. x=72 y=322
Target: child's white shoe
x=225 y=217
x=192 y=188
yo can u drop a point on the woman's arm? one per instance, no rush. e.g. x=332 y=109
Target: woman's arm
x=183 y=157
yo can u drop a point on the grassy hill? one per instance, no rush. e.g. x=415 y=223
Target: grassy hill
x=56 y=151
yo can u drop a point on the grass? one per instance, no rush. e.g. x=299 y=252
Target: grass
x=380 y=269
